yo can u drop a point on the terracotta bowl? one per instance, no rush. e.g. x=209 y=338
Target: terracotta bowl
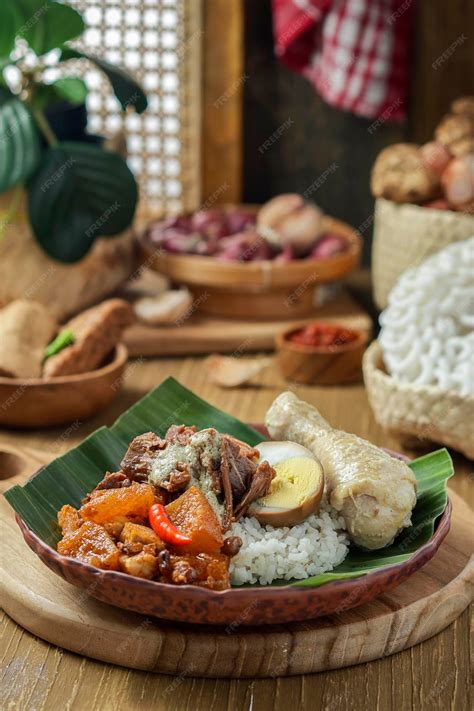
x=318 y=365
x=256 y=290
x=251 y=605
x=38 y=402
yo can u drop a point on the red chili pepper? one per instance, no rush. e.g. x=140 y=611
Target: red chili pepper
x=167 y=531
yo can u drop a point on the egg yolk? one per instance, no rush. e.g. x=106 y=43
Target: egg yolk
x=296 y=479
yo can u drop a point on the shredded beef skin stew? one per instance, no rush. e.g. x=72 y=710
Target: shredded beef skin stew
x=180 y=433
x=248 y=480
x=259 y=486
x=113 y=531
x=137 y=461
x=112 y=480
x=238 y=464
x=178 y=481
x=234 y=474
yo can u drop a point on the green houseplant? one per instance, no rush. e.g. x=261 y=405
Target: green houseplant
x=76 y=190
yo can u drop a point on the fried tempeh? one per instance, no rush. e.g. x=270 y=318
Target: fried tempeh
x=96 y=332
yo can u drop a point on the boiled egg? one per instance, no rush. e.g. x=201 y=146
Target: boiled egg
x=297 y=488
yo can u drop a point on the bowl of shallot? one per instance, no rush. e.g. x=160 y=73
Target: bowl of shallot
x=250 y=261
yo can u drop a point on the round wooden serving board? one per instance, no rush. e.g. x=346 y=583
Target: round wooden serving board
x=66 y=616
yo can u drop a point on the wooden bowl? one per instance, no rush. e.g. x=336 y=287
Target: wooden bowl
x=318 y=365
x=262 y=289
x=40 y=402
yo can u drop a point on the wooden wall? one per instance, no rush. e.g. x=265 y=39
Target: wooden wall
x=222 y=84
x=314 y=137
x=439 y=26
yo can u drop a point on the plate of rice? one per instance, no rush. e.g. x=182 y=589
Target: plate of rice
x=181 y=512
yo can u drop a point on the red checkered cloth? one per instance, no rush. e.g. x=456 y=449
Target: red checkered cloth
x=355 y=52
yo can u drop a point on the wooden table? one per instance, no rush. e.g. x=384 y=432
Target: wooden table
x=432 y=675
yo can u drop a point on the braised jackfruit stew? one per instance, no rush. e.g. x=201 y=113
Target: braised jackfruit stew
x=164 y=515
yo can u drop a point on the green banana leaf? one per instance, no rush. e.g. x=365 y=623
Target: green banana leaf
x=70 y=477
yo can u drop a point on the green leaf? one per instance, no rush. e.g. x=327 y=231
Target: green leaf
x=73 y=89
x=171 y=403
x=5 y=94
x=10 y=22
x=126 y=89
x=19 y=143
x=79 y=193
x=48 y=24
x=70 y=477
x=44 y=95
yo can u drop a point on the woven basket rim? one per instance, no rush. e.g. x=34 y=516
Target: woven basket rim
x=428 y=211
x=373 y=361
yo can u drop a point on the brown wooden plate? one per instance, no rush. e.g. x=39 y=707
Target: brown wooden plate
x=253 y=605
x=44 y=402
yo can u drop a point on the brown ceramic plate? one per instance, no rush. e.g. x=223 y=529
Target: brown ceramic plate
x=242 y=606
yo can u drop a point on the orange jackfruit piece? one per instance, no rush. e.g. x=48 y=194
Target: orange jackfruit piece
x=92 y=544
x=192 y=514
x=204 y=570
x=68 y=519
x=131 y=501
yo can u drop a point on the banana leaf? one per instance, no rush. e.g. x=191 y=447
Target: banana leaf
x=70 y=477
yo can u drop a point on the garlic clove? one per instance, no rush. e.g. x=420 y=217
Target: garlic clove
x=231 y=371
x=167 y=308
x=277 y=208
x=287 y=220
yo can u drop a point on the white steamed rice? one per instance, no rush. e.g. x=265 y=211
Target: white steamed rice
x=315 y=546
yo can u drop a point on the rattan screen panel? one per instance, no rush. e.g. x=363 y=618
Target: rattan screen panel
x=160 y=42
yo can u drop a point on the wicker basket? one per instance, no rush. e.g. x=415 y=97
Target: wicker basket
x=418 y=414
x=404 y=235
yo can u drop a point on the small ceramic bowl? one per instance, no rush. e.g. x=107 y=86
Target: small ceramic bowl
x=40 y=402
x=321 y=365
